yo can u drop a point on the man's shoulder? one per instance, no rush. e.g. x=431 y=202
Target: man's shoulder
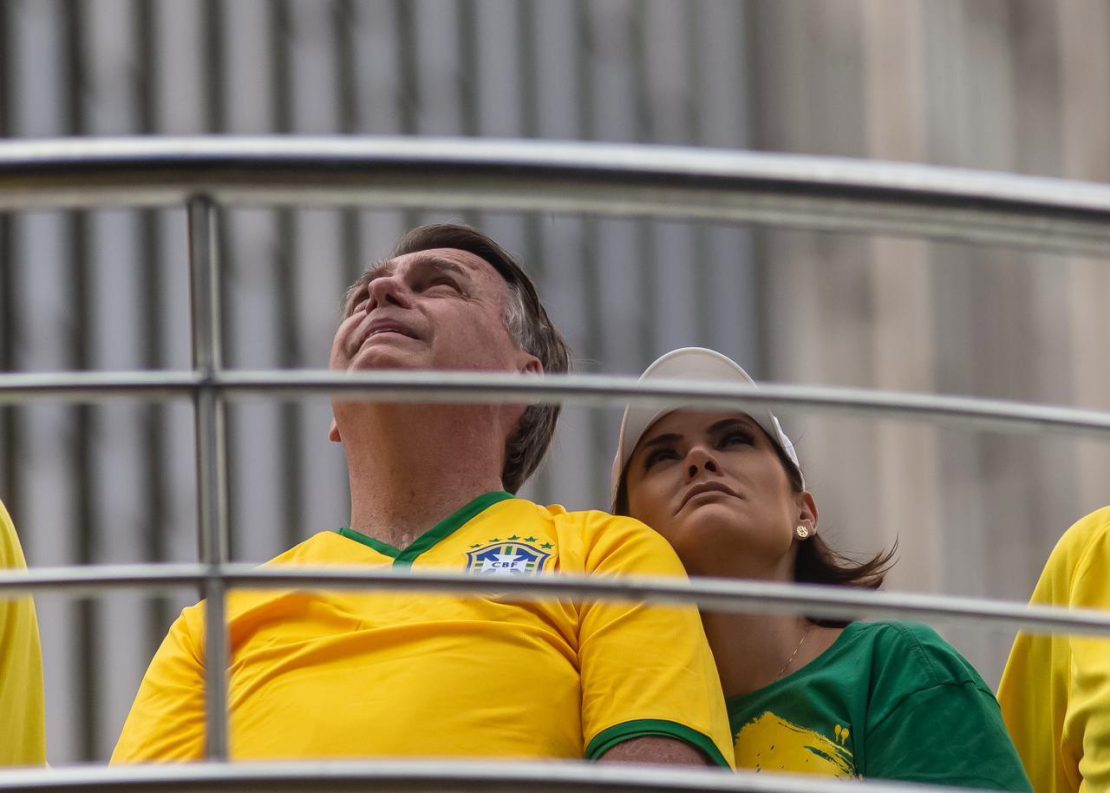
x=325 y=547
x=615 y=543
x=593 y=521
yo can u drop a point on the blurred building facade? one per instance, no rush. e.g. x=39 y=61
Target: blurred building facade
x=1020 y=86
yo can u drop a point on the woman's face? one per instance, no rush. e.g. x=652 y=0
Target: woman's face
x=713 y=485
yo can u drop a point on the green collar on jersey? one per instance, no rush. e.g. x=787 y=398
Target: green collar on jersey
x=435 y=535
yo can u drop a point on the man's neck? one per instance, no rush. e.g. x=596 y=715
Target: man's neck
x=411 y=466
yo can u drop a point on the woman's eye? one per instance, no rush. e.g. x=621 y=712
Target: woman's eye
x=657 y=456
x=736 y=438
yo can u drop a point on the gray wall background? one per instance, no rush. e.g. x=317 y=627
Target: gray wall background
x=1019 y=86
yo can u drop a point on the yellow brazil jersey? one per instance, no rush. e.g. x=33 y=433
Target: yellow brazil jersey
x=22 y=721
x=355 y=675
x=1055 y=691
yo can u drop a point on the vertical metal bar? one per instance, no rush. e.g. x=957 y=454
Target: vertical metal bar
x=211 y=446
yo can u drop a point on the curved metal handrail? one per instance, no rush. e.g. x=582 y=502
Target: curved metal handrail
x=607 y=179
x=439 y=776
x=583 y=389
x=715 y=594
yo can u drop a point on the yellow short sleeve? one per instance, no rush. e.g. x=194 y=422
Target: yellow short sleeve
x=646 y=670
x=167 y=719
x=21 y=686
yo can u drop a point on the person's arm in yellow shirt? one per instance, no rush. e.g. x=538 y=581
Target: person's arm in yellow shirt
x=1087 y=725
x=167 y=720
x=650 y=751
x=650 y=689
x=1055 y=690
x=21 y=687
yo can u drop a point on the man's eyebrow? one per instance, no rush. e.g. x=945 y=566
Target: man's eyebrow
x=377 y=271
x=385 y=268
x=423 y=260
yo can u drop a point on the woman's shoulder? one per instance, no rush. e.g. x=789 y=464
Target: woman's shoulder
x=897 y=633
x=915 y=655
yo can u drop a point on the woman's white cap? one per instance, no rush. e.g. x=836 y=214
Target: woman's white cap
x=689 y=363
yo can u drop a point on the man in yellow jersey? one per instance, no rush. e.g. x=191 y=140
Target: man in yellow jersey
x=1055 y=691
x=22 y=723
x=355 y=675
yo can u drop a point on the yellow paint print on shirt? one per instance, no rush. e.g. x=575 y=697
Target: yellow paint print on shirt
x=771 y=743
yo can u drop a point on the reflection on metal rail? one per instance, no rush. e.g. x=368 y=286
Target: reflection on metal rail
x=605 y=179
x=439 y=776
x=596 y=390
x=714 y=594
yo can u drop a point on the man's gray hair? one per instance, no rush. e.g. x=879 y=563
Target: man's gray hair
x=528 y=325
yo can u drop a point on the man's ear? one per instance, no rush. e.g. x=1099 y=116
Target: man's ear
x=530 y=365
x=333 y=433
x=807 y=512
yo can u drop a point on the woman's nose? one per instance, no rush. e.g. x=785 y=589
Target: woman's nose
x=698 y=458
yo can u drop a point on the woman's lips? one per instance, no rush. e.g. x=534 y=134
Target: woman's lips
x=706 y=487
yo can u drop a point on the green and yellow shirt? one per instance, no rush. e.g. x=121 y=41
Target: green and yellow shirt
x=887 y=701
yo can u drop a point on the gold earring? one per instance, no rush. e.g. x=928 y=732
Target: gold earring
x=802 y=532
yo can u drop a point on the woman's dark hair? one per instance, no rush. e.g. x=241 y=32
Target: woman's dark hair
x=816 y=562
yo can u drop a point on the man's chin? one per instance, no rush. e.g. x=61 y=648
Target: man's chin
x=383 y=357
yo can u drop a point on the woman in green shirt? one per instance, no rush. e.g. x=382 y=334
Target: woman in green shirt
x=843 y=699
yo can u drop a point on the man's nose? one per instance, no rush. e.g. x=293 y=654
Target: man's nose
x=700 y=458
x=388 y=290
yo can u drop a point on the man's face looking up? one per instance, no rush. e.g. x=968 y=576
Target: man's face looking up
x=436 y=309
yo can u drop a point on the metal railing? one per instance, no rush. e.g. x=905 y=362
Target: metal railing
x=440 y=776
x=610 y=180
x=206 y=173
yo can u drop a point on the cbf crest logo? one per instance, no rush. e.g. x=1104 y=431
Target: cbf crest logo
x=512 y=556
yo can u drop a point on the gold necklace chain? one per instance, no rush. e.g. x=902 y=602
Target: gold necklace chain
x=794 y=654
